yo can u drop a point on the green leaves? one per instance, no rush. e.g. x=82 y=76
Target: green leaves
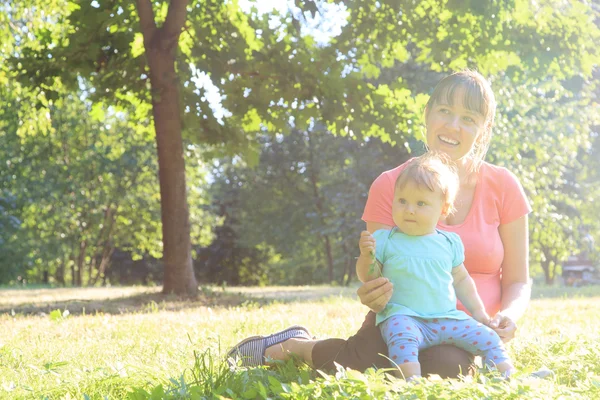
x=310 y=186
x=263 y=70
x=137 y=45
x=539 y=135
x=264 y=76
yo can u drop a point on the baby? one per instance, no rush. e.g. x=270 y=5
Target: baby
x=426 y=267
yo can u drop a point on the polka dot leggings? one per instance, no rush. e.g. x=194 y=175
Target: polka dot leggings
x=406 y=335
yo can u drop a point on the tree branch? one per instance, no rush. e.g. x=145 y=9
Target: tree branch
x=147 y=22
x=176 y=17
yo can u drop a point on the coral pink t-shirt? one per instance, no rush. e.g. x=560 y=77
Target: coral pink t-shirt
x=499 y=199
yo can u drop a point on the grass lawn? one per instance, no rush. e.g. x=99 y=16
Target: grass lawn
x=134 y=343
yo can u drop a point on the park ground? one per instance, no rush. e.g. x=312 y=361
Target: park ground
x=133 y=342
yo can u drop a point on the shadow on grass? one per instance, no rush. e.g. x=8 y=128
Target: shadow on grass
x=138 y=302
x=36 y=301
x=80 y=301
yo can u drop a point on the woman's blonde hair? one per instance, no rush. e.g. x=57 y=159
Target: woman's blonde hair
x=478 y=97
x=433 y=170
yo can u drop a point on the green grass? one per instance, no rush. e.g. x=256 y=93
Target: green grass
x=134 y=343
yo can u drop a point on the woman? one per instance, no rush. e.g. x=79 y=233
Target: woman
x=490 y=217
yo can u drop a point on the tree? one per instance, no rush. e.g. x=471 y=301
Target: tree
x=539 y=134
x=98 y=39
x=303 y=201
x=229 y=259
x=161 y=46
x=271 y=77
x=85 y=189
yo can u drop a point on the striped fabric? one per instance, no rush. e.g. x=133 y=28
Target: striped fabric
x=250 y=352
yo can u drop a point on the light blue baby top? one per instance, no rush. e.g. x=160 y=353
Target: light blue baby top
x=420 y=267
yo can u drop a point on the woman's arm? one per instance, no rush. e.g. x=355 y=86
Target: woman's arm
x=516 y=289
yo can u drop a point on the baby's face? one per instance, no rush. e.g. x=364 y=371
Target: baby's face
x=416 y=210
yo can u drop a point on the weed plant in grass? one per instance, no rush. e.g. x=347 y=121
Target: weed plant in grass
x=160 y=353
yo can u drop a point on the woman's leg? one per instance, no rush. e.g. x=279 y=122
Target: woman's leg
x=363 y=350
x=367 y=349
x=300 y=348
x=446 y=361
x=258 y=350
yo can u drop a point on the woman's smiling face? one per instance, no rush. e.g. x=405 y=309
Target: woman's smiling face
x=452 y=127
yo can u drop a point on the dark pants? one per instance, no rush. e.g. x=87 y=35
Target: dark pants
x=366 y=347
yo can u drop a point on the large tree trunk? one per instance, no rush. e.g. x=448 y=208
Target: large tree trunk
x=161 y=45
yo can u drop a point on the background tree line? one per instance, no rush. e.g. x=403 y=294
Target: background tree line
x=269 y=126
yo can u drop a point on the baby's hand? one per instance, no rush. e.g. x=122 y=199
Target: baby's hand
x=504 y=326
x=366 y=243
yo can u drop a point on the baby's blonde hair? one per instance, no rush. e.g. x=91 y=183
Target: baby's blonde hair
x=433 y=170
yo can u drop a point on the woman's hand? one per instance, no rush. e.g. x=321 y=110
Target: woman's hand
x=504 y=326
x=376 y=293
